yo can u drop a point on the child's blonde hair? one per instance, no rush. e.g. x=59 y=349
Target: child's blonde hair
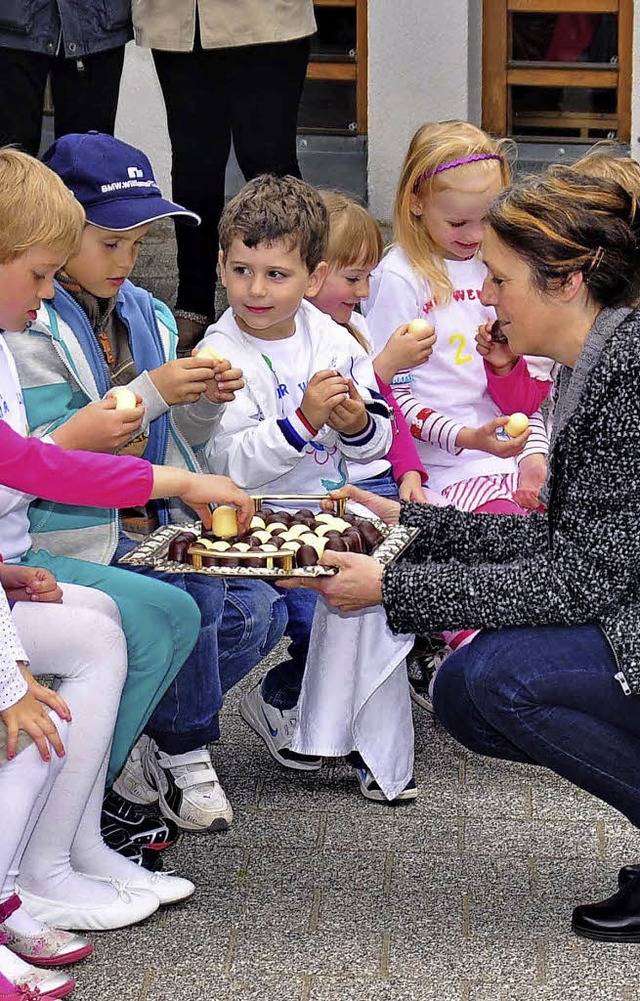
x=602 y=161
x=35 y=207
x=355 y=238
x=433 y=146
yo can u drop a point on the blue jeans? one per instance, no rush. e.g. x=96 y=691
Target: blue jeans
x=281 y=686
x=242 y=621
x=383 y=485
x=547 y=696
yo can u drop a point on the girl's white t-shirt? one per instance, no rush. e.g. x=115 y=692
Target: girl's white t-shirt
x=450 y=390
x=15 y=538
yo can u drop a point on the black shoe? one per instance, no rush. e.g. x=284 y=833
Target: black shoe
x=616 y=919
x=627 y=873
x=143 y=829
x=422 y=663
x=117 y=839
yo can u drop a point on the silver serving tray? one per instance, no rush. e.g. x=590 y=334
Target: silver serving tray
x=153 y=552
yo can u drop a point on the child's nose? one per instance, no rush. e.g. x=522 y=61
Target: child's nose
x=362 y=288
x=47 y=289
x=257 y=286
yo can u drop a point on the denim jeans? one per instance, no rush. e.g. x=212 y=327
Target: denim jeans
x=242 y=621
x=547 y=696
x=281 y=686
x=383 y=485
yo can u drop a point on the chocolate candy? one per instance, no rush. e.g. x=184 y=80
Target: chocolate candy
x=306 y=556
x=336 y=545
x=371 y=535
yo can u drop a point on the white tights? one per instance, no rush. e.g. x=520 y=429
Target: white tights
x=81 y=643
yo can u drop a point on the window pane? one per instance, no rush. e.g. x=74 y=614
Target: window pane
x=564 y=112
x=328 y=106
x=564 y=38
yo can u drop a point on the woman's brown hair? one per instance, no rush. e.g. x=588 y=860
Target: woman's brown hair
x=563 y=222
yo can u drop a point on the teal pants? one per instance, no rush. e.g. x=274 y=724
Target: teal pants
x=161 y=624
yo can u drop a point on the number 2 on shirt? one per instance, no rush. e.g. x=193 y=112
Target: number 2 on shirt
x=461 y=341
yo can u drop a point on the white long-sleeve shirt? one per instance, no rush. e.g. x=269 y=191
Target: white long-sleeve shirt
x=262 y=441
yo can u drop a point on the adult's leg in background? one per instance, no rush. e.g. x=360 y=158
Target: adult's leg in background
x=85 y=91
x=23 y=77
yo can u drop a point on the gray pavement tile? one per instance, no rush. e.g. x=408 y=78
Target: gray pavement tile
x=476 y=873
x=574 y=880
x=323 y=868
x=510 y=962
x=507 y=913
x=572 y=960
x=263 y=828
x=410 y=913
x=277 y=951
x=596 y=991
x=423 y=988
x=621 y=839
x=536 y=837
x=561 y=800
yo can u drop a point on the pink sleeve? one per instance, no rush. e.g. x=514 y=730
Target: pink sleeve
x=518 y=390
x=87 y=478
x=403 y=454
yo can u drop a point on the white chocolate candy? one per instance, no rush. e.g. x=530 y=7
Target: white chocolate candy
x=261 y=536
x=208 y=352
x=125 y=398
x=317 y=542
x=256 y=522
x=207 y=543
x=329 y=527
x=242 y=546
x=516 y=424
x=341 y=525
x=273 y=525
x=224 y=521
x=325 y=516
x=267 y=548
x=420 y=327
x=219 y=547
x=291 y=545
x=295 y=532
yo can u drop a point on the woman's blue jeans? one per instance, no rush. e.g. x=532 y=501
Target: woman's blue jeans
x=547 y=696
x=242 y=621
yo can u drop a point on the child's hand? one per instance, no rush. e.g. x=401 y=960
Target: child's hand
x=349 y=417
x=484 y=439
x=532 y=473
x=404 y=350
x=185 y=379
x=225 y=384
x=22 y=583
x=497 y=354
x=29 y=715
x=325 y=390
x=410 y=487
x=202 y=489
x=99 y=427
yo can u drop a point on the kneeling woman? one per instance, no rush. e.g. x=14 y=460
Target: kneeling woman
x=553 y=679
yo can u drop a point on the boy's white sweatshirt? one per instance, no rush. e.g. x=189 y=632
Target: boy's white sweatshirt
x=262 y=441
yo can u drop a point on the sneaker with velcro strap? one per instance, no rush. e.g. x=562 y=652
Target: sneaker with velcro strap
x=131 y=783
x=188 y=788
x=144 y=829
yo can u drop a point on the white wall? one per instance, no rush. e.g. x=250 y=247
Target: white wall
x=418 y=72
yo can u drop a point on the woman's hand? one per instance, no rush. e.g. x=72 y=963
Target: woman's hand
x=29 y=715
x=385 y=509
x=23 y=583
x=201 y=489
x=358 y=584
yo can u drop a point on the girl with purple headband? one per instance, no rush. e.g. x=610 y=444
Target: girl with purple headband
x=451 y=174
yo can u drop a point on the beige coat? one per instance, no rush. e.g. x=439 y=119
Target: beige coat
x=170 y=24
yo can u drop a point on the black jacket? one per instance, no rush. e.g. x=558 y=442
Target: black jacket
x=579 y=562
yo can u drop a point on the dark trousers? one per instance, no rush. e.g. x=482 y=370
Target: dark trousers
x=85 y=94
x=251 y=94
x=547 y=696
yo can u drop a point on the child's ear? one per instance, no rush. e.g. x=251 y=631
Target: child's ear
x=221 y=267
x=415 y=205
x=316 y=279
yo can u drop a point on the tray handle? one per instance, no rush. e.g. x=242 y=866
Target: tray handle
x=340 y=502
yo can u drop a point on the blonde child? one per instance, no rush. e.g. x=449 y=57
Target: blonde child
x=452 y=172
x=354 y=249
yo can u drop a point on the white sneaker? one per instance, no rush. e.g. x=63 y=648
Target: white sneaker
x=131 y=783
x=188 y=787
x=276 y=727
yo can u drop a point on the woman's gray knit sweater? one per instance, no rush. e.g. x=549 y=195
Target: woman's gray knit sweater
x=579 y=562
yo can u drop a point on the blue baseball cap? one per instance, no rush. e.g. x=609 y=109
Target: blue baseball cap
x=113 y=181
